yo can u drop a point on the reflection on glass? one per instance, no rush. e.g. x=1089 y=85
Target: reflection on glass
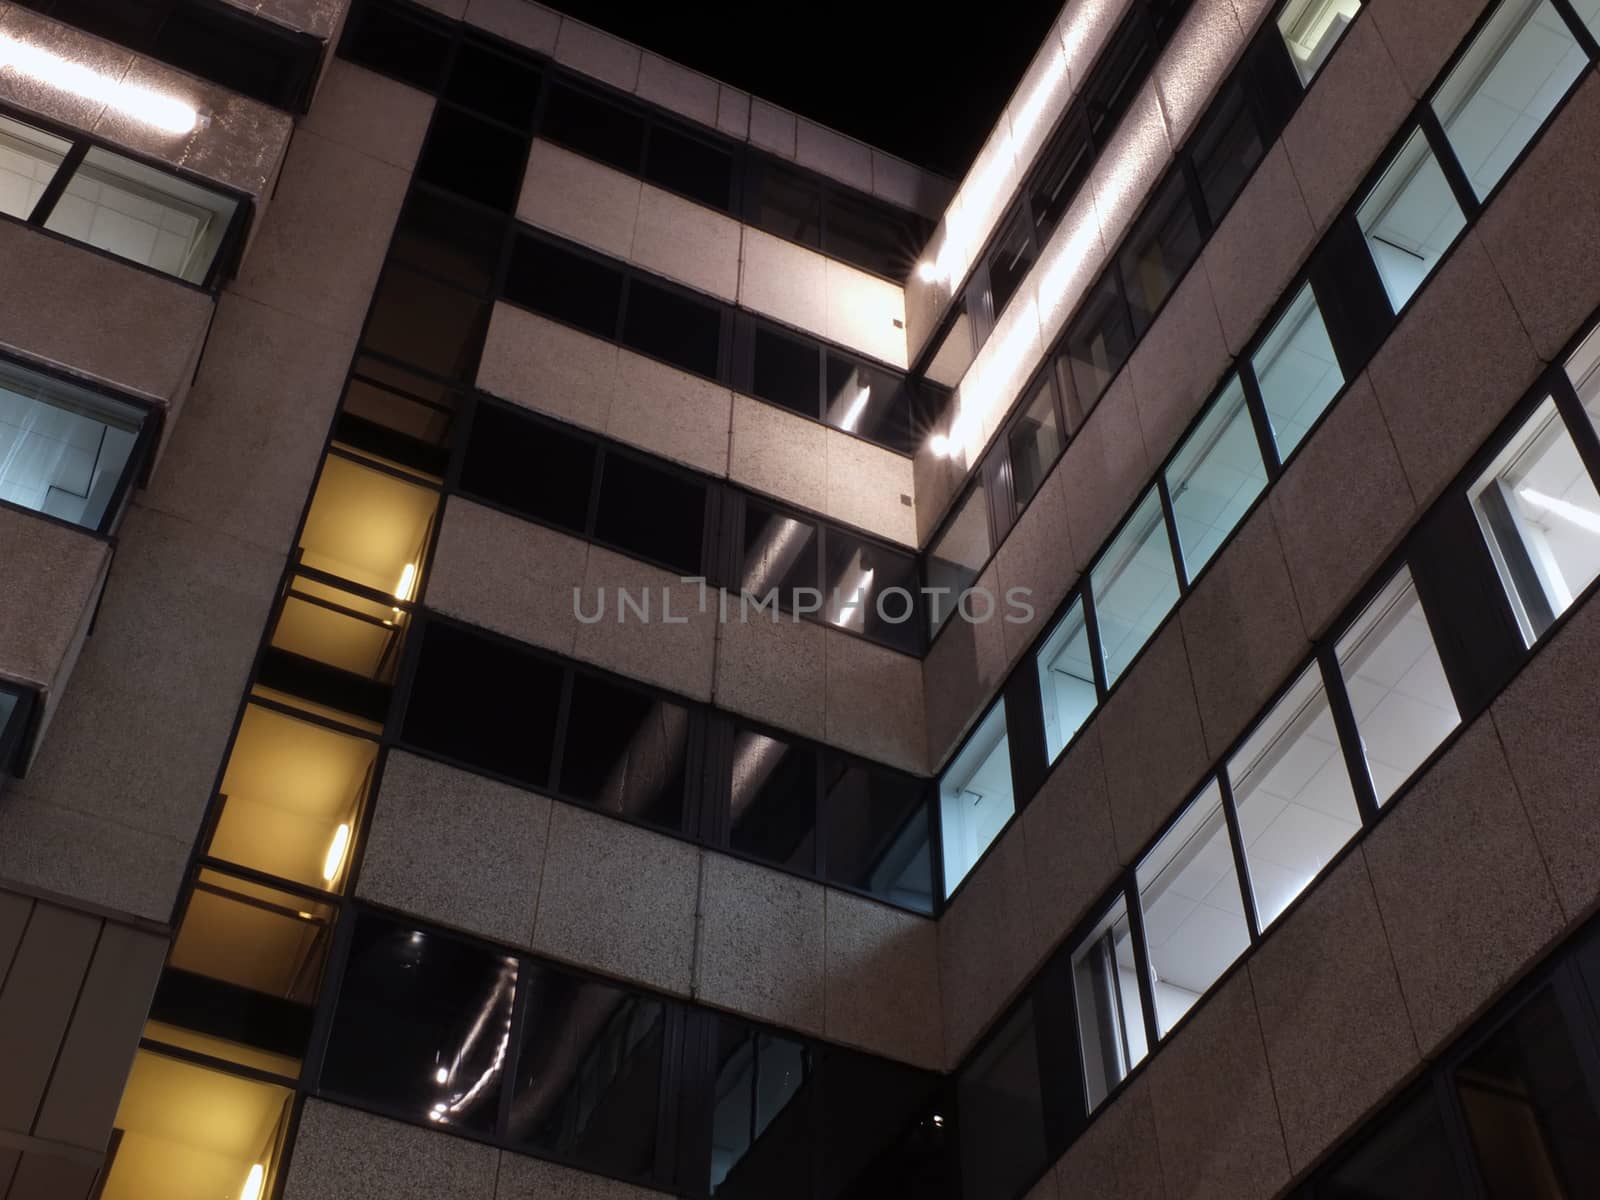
x=1298 y=371
x=1310 y=29
x=1035 y=441
x=1110 y=1011
x=1540 y=515
x=625 y=752
x=29 y=159
x=1194 y=924
x=242 y=979
x=1293 y=796
x=1407 y=1156
x=1397 y=686
x=1135 y=585
x=588 y=1077
x=1410 y=219
x=423 y=1025
x=1226 y=148
x=772 y=802
x=976 y=797
x=1008 y=265
x=1510 y=80
x=955 y=560
x=1214 y=478
x=857 y=574
x=1066 y=680
x=780 y=554
x=759 y=1111
x=1099 y=340
x=860 y=398
x=191 y=1133
x=877 y=833
x=1162 y=244
x=63 y=448
x=145 y=215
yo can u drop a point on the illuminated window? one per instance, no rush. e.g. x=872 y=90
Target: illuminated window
x=1066 y=680
x=1298 y=371
x=1410 y=219
x=976 y=796
x=1311 y=28
x=368 y=527
x=1105 y=983
x=1214 y=478
x=29 y=159
x=335 y=652
x=1135 y=585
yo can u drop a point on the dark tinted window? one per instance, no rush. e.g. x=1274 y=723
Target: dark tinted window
x=1034 y=442
x=1098 y=341
x=529 y=467
x=1226 y=149
x=564 y=285
x=1065 y=165
x=780 y=555
x=761 y=1142
x=396 y=426
x=588 y=1078
x=652 y=513
x=1008 y=265
x=772 y=806
x=449 y=238
x=1001 y=1109
x=855 y=575
x=787 y=371
x=485 y=703
x=396 y=43
x=473 y=158
x=494 y=84
x=877 y=834
x=1117 y=74
x=1164 y=241
x=1405 y=1158
x=862 y=397
x=869 y=1107
x=625 y=750
x=690 y=165
x=788 y=206
x=670 y=326
x=871 y=236
x=426 y=323
x=406 y=1032
x=593 y=127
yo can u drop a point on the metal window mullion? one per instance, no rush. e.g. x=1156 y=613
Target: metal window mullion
x=1579 y=423
x=519 y=1019
x=1143 y=967
x=1255 y=403
x=1580 y=30
x=1241 y=860
x=1091 y=627
x=1455 y=174
x=57 y=186
x=1344 y=724
x=1169 y=518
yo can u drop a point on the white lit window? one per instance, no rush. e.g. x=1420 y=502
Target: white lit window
x=1298 y=371
x=1410 y=219
x=1105 y=984
x=1135 y=585
x=29 y=158
x=976 y=797
x=1066 y=680
x=1310 y=29
x=1215 y=477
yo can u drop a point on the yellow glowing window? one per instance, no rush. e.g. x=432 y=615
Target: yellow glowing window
x=368 y=527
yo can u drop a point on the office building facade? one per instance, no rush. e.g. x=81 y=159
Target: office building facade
x=569 y=632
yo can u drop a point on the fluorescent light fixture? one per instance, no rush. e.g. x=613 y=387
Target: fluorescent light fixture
x=1565 y=509
x=141 y=103
x=253 y=1183
x=336 y=849
x=408 y=579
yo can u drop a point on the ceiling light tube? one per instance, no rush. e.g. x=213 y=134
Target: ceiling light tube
x=253 y=1183
x=336 y=849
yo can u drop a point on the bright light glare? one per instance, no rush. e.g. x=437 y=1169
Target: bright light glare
x=1565 y=509
x=336 y=849
x=928 y=271
x=857 y=407
x=939 y=444
x=442 y=1075
x=408 y=579
x=253 y=1182
x=140 y=103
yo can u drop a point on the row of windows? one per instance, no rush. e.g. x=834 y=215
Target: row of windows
x=432 y=1028
x=59 y=181
x=520 y=92
x=1447 y=624
x=224 y=43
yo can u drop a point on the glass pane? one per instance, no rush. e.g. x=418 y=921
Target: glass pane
x=780 y=559
x=145 y=215
x=288 y=788
x=1226 y=148
x=473 y=158
x=336 y=648
x=1531 y=1111
x=956 y=559
x=687 y=164
x=1589 y=13
x=625 y=752
x=1510 y=80
x=422 y=1025
x=1066 y=163
x=1008 y=266
x=871 y=589
x=1215 y=477
x=1066 y=681
x=789 y=206
x=787 y=371
x=1135 y=585
x=534 y=468
x=29 y=158
x=63 y=449
x=652 y=513
x=1298 y=372
x=588 y=1078
x=1540 y=515
x=494 y=84
x=975 y=796
x=877 y=833
x=1194 y=924
x=450 y=238
x=191 y=1133
x=397 y=428
x=879 y=238
x=1035 y=441
x=426 y=324
x=1397 y=686
x=1410 y=219
x=593 y=127
x=1099 y=340
x=242 y=979
x=1311 y=27
x=1293 y=796
x=1406 y=1155
x=760 y=1136
x=1000 y=1097
x=772 y=801
x=1583 y=369
x=1162 y=244
x=568 y=287
x=368 y=527
x=1110 y=1011
x=668 y=325
x=859 y=396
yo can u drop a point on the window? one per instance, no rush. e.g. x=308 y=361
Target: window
x=780 y=554
x=772 y=804
x=531 y=467
x=787 y=371
x=1540 y=515
x=1513 y=75
x=1311 y=28
x=874 y=237
x=690 y=165
x=1163 y=242
x=449 y=238
x=1034 y=441
x=863 y=398
x=1135 y=585
x=626 y=752
x=397 y=42
x=587 y=1085
x=1589 y=13
x=1194 y=926
x=1407 y=1155
x=651 y=513
x=29 y=159
x=1298 y=371
x=484 y=703
x=473 y=158
x=494 y=84
x=1066 y=681
x=1000 y=1098
x=1397 y=686
x=1066 y=165
x=427 y=324
x=976 y=798
x=1009 y=263
x=1410 y=219
x=593 y=127
x=760 y=1137
x=189 y=1133
x=1214 y=478
x=668 y=325
x=787 y=205
x=955 y=560
x=1099 y=340
x=569 y=287
x=871 y=589
x=1293 y=797
x=368 y=527
x=1105 y=984
x=413 y=1030
x=876 y=833
x=1226 y=148
x=65 y=451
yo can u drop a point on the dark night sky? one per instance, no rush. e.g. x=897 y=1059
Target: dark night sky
x=926 y=83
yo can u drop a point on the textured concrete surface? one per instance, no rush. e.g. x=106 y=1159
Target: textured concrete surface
x=1196 y=60
x=867 y=486
x=342 y=1154
x=1117 y=1156
x=678 y=654
x=1106 y=466
x=370 y=114
x=875 y=704
x=779 y=453
x=882 y=990
x=1038 y=555
x=548 y=367
x=1177 y=363
x=580 y=199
